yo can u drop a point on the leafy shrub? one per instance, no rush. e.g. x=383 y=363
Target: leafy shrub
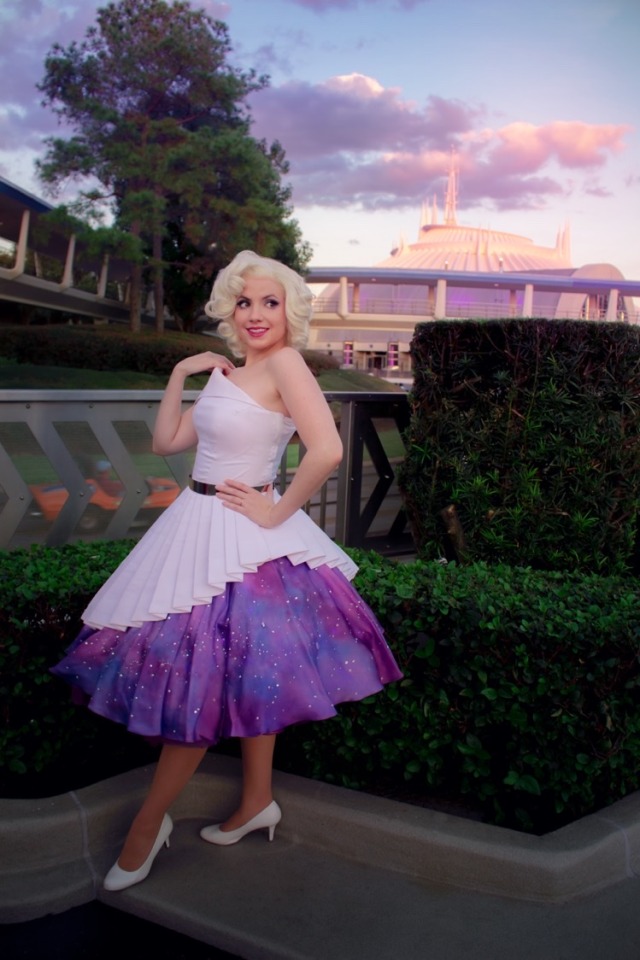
x=101 y=348
x=42 y=594
x=115 y=348
x=521 y=692
x=521 y=688
x=524 y=444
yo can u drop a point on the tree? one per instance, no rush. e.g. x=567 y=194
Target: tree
x=209 y=223
x=161 y=125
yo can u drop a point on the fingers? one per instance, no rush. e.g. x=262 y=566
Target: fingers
x=243 y=499
x=201 y=362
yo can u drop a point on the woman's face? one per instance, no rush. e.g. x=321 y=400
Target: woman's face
x=259 y=317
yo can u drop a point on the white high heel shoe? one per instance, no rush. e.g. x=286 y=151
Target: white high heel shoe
x=269 y=817
x=119 y=879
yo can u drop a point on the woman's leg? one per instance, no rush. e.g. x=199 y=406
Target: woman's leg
x=257 y=766
x=176 y=766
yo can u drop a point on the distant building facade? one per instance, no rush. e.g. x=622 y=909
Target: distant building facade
x=367 y=317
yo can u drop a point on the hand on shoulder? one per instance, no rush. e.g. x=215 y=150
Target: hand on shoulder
x=202 y=363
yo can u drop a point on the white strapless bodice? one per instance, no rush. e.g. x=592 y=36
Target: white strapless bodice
x=237 y=437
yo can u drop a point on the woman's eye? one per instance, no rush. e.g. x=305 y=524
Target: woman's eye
x=242 y=303
x=273 y=303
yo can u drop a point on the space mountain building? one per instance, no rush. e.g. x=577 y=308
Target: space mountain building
x=366 y=316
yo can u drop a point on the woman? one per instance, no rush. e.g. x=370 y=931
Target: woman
x=233 y=616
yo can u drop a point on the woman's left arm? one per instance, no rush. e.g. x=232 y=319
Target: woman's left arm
x=315 y=426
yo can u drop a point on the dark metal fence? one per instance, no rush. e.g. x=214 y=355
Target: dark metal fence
x=77 y=464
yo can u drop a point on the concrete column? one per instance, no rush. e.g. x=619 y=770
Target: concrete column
x=67 y=276
x=441 y=299
x=21 y=248
x=612 y=305
x=513 y=303
x=102 y=281
x=527 y=303
x=431 y=300
x=343 y=299
x=356 y=298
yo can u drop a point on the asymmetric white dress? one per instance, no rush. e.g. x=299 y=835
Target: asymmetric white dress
x=214 y=626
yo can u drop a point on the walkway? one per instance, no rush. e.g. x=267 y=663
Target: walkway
x=348 y=876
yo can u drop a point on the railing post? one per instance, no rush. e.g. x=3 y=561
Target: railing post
x=345 y=488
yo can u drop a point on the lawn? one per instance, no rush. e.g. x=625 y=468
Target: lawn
x=27 y=376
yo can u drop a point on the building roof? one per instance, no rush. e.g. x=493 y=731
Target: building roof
x=451 y=246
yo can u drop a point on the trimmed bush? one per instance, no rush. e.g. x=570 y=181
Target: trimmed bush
x=101 y=348
x=43 y=592
x=524 y=444
x=115 y=348
x=521 y=690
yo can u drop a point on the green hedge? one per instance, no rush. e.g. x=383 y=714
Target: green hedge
x=115 y=348
x=524 y=444
x=43 y=736
x=100 y=348
x=521 y=689
x=521 y=692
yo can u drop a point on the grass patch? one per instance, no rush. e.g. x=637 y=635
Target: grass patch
x=29 y=376
x=354 y=380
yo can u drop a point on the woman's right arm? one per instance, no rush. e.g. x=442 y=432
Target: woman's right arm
x=174 y=430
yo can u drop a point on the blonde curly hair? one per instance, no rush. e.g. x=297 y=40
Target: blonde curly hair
x=229 y=285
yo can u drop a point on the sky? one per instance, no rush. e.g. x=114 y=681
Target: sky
x=538 y=101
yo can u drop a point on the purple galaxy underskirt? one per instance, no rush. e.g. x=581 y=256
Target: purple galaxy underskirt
x=282 y=646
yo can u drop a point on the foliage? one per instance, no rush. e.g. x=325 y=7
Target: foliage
x=27 y=376
x=521 y=692
x=102 y=348
x=524 y=444
x=42 y=594
x=113 y=348
x=521 y=687
x=160 y=124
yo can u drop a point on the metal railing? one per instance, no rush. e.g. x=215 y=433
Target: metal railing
x=77 y=464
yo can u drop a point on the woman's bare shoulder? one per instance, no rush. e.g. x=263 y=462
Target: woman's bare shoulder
x=288 y=358
x=289 y=362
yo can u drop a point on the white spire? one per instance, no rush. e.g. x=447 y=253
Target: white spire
x=566 y=241
x=452 y=193
x=424 y=218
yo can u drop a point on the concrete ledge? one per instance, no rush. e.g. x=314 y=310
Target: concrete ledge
x=55 y=851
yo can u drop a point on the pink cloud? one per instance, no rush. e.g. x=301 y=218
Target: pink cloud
x=353 y=113
x=350 y=140
x=583 y=144
x=524 y=147
x=594 y=188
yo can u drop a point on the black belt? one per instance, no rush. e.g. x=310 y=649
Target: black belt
x=210 y=489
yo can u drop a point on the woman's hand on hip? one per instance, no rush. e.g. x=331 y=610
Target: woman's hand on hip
x=254 y=504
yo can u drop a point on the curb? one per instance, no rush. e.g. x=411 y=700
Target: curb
x=55 y=851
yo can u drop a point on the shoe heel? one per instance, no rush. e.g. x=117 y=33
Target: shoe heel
x=272 y=832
